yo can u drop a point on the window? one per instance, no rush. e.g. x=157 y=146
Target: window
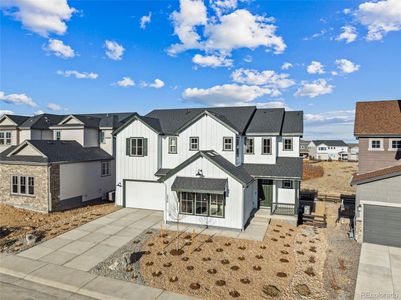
x=5 y=138
x=136 y=146
x=249 y=143
x=267 y=146
x=395 y=144
x=287 y=184
x=322 y=149
x=58 y=135
x=237 y=146
x=201 y=204
x=106 y=168
x=101 y=137
x=287 y=144
x=375 y=144
x=216 y=205
x=172 y=145
x=187 y=203
x=227 y=144
x=23 y=185
x=193 y=143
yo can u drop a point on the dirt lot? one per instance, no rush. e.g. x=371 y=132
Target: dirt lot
x=335 y=180
x=15 y=223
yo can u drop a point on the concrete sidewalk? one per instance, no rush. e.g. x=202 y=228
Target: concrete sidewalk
x=379 y=272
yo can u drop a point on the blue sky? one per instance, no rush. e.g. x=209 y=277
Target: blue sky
x=109 y=56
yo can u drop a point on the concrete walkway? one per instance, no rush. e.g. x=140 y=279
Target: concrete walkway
x=63 y=262
x=379 y=272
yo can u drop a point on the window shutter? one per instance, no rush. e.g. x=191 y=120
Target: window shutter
x=145 y=147
x=127 y=147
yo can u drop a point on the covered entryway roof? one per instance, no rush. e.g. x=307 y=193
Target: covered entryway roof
x=200 y=185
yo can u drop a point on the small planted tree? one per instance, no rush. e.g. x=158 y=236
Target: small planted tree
x=175 y=216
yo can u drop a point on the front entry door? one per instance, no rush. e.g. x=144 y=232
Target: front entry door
x=265 y=193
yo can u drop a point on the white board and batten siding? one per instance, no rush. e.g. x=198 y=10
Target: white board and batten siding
x=210 y=133
x=288 y=153
x=234 y=208
x=257 y=157
x=141 y=168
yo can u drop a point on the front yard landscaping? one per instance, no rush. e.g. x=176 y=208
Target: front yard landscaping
x=290 y=263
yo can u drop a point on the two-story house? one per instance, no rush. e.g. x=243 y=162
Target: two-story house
x=210 y=166
x=328 y=150
x=54 y=162
x=378 y=181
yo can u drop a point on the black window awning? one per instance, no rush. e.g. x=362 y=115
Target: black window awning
x=199 y=185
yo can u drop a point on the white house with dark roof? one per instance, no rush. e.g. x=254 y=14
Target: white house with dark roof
x=210 y=166
x=328 y=150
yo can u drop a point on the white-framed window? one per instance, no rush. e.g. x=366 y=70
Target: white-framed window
x=5 y=137
x=106 y=168
x=395 y=144
x=23 y=185
x=228 y=144
x=194 y=143
x=375 y=144
x=137 y=146
x=287 y=144
x=202 y=204
x=172 y=145
x=216 y=207
x=58 y=135
x=267 y=146
x=287 y=184
x=249 y=145
x=187 y=203
x=322 y=149
x=102 y=137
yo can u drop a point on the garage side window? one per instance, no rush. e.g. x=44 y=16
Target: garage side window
x=23 y=185
x=137 y=146
x=106 y=168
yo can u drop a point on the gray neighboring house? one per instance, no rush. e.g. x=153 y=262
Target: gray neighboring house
x=328 y=150
x=303 y=148
x=378 y=181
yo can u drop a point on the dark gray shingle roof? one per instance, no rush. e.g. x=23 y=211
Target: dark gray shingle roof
x=205 y=185
x=285 y=167
x=42 y=121
x=293 y=123
x=58 y=152
x=266 y=121
x=162 y=172
x=331 y=143
x=17 y=119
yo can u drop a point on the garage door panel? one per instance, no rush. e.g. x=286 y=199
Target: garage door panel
x=382 y=225
x=145 y=195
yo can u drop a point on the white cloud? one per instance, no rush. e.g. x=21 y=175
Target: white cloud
x=346 y=11
x=348 y=34
x=227 y=94
x=286 y=66
x=273 y=104
x=212 y=61
x=222 y=6
x=316 y=35
x=380 y=17
x=315 y=68
x=224 y=33
x=125 y=82
x=55 y=107
x=39 y=112
x=313 y=89
x=248 y=58
x=157 y=84
x=347 y=66
x=6 y=112
x=331 y=116
x=145 y=20
x=114 y=50
x=79 y=75
x=58 y=48
x=267 y=78
x=40 y=16
x=16 y=99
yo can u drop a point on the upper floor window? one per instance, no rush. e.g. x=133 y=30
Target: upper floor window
x=5 y=138
x=267 y=146
x=138 y=146
x=58 y=135
x=376 y=144
x=287 y=184
x=23 y=185
x=249 y=146
x=227 y=144
x=322 y=149
x=193 y=143
x=172 y=145
x=287 y=144
x=395 y=144
x=106 y=168
x=101 y=137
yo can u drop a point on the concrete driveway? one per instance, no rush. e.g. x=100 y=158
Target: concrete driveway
x=379 y=272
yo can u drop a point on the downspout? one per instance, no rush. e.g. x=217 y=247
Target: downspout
x=243 y=208
x=49 y=197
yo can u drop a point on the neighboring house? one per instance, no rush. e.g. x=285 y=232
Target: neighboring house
x=9 y=131
x=328 y=150
x=303 y=148
x=83 y=170
x=211 y=166
x=353 y=152
x=378 y=181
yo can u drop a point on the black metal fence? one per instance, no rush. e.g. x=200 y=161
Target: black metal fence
x=284 y=209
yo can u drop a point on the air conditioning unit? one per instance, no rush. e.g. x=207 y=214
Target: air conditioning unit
x=111 y=196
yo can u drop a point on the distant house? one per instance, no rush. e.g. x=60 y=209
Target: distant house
x=328 y=150
x=378 y=181
x=303 y=148
x=353 y=152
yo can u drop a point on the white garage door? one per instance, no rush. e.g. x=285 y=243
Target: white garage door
x=146 y=195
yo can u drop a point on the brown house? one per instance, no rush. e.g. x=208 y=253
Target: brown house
x=378 y=199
